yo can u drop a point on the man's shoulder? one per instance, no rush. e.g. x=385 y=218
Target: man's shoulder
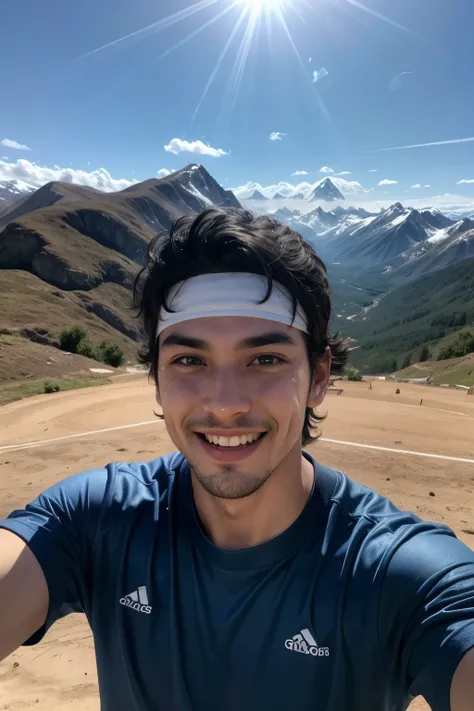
x=355 y=501
x=367 y=515
x=130 y=484
x=160 y=470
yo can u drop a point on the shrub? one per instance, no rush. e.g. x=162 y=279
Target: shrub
x=110 y=354
x=71 y=337
x=50 y=386
x=85 y=348
x=354 y=375
x=76 y=340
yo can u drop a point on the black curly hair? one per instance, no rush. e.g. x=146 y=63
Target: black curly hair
x=234 y=240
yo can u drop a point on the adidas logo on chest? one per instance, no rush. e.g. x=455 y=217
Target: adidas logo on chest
x=137 y=600
x=304 y=643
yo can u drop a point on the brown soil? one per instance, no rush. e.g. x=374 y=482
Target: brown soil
x=61 y=670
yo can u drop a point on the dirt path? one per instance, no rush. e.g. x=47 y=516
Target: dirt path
x=60 y=672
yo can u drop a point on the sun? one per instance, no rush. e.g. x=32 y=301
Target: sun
x=258 y=6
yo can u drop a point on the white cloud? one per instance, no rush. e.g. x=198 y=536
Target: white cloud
x=39 y=175
x=344 y=172
x=374 y=170
x=319 y=74
x=177 y=145
x=427 y=186
x=465 y=181
x=276 y=136
x=164 y=172
x=300 y=172
x=386 y=181
x=14 y=144
x=416 y=186
x=426 y=145
x=325 y=169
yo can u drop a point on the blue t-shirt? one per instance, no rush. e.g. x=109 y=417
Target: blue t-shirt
x=358 y=606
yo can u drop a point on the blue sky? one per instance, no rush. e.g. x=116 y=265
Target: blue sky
x=392 y=82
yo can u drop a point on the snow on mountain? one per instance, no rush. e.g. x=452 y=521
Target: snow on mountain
x=319 y=220
x=347 y=187
x=438 y=235
x=379 y=239
x=13 y=190
x=458 y=230
x=442 y=248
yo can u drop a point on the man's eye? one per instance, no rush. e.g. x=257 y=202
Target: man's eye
x=188 y=361
x=268 y=359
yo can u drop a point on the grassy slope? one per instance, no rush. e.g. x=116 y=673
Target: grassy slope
x=455 y=371
x=30 y=304
x=16 y=391
x=412 y=315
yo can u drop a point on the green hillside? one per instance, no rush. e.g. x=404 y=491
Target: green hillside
x=426 y=311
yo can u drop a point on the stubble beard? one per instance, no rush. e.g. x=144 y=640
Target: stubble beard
x=229 y=484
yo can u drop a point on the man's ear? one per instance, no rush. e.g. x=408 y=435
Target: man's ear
x=320 y=382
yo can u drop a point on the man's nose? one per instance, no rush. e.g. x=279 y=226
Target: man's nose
x=226 y=395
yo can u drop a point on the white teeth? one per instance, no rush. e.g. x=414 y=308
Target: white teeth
x=232 y=441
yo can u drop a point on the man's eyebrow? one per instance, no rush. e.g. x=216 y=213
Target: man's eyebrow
x=267 y=339
x=258 y=341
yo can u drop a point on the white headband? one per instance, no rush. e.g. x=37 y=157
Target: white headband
x=229 y=294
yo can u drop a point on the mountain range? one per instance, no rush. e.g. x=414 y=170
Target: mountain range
x=399 y=239
x=69 y=255
x=326 y=189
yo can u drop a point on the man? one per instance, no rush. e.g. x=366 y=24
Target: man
x=238 y=574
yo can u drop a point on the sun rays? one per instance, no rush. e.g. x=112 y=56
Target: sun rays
x=250 y=16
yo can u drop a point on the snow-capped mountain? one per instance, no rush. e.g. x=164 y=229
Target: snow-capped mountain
x=377 y=240
x=13 y=190
x=326 y=191
x=400 y=239
x=441 y=249
x=319 y=220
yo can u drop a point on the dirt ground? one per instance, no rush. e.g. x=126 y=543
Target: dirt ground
x=46 y=438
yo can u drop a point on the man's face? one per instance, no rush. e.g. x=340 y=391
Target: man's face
x=229 y=377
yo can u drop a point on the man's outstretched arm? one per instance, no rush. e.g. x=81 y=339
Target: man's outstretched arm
x=24 y=593
x=45 y=558
x=462 y=688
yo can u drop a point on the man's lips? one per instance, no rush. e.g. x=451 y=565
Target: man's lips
x=230 y=454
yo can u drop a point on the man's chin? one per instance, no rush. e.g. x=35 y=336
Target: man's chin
x=230 y=484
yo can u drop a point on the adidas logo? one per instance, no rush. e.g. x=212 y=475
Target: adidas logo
x=305 y=643
x=138 y=600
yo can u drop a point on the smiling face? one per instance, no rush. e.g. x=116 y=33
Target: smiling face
x=224 y=378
